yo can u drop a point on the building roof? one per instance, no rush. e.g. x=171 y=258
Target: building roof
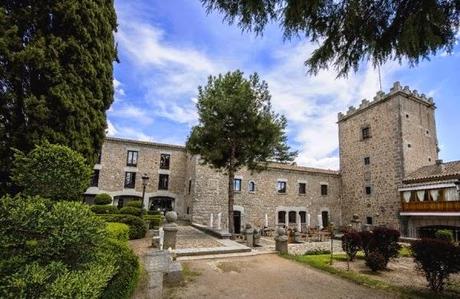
x=436 y=171
x=165 y=145
x=290 y=166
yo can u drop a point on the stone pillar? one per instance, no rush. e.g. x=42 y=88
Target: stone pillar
x=156 y=239
x=211 y=220
x=297 y=236
x=170 y=231
x=299 y=224
x=320 y=221
x=281 y=241
x=257 y=234
x=249 y=232
x=219 y=219
x=286 y=218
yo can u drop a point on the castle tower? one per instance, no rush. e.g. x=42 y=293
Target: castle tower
x=380 y=143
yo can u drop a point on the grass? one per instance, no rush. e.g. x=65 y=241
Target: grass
x=405 y=251
x=322 y=262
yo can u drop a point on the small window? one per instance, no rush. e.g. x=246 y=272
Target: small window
x=252 y=187
x=281 y=187
x=188 y=210
x=368 y=190
x=409 y=145
x=163 y=182
x=164 y=161
x=366 y=133
x=302 y=188
x=189 y=187
x=429 y=159
x=281 y=217
x=303 y=216
x=369 y=220
x=292 y=217
x=95 y=178
x=237 y=184
x=323 y=189
x=132 y=158
x=367 y=160
x=407 y=115
x=130 y=179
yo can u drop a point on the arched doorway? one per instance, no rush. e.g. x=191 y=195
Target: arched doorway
x=237 y=222
x=161 y=203
x=121 y=200
x=325 y=218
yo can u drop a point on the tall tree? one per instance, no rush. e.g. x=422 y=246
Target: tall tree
x=350 y=31
x=237 y=128
x=56 y=80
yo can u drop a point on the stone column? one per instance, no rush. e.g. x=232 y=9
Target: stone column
x=281 y=241
x=286 y=218
x=249 y=232
x=170 y=231
x=211 y=220
x=299 y=224
x=219 y=219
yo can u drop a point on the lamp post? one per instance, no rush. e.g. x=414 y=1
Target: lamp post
x=145 y=180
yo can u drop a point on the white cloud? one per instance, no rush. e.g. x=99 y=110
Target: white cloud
x=127 y=132
x=133 y=113
x=111 y=131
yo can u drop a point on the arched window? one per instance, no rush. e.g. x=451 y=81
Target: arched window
x=252 y=186
x=292 y=217
x=282 y=217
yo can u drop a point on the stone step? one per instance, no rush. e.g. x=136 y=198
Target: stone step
x=226 y=255
x=211 y=251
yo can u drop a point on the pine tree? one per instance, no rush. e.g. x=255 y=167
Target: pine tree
x=352 y=31
x=237 y=128
x=56 y=80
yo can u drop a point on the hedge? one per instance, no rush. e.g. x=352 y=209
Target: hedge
x=125 y=280
x=102 y=199
x=137 y=226
x=153 y=212
x=105 y=209
x=131 y=211
x=118 y=231
x=153 y=220
x=134 y=203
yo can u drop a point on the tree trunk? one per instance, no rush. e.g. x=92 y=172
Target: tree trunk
x=231 y=199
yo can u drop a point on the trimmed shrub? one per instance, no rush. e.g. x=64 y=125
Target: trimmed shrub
x=131 y=211
x=118 y=231
x=375 y=261
x=125 y=280
x=444 y=235
x=106 y=209
x=151 y=212
x=102 y=199
x=366 y=238
x=137 y=226
x=153 y=221
x=385 y=241
x=134 y=203
x=351 y=243
x=437 y=259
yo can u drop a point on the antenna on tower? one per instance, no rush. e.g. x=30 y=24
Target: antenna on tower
x=380 y=76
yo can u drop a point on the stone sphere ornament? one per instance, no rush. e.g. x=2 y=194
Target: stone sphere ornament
x=171 y=216
x=281 y=231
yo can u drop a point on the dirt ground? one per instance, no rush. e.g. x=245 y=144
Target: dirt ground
x=264 y=276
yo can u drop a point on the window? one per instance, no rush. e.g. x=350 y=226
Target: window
x=237 y=184
x=132 y=158
x=252 y=187
x=95 y=178
x=409 y=145
x=189 y=187
x=368 y=190
x=164 y=161
x=281 y=187
x=369 y=220
x=188 y=210
x=366 y=132
x=323 y=189
x=325 y=218
x=407 y=115
x=303 y=217
x=163 y=182
x=292 y=217
x=367 y=161
x=281 y=217
x=130 y=179
x=302 y=188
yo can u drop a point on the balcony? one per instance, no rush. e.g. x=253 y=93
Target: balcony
x=430 y=206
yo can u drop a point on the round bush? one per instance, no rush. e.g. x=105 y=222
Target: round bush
x=118 y=231
x=107 y=209
x=137 y=226
x=351 y=243
x=103 y=199
x=153 y=221
x=444 y=235
x=131 y=211
x=134 y=203
x=152 y=212
x=375 y=261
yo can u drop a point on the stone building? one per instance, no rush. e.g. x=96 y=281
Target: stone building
x=388 y=153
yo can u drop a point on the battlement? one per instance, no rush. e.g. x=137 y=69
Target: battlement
x=382 y=96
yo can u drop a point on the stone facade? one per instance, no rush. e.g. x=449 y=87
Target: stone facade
x=397 y=143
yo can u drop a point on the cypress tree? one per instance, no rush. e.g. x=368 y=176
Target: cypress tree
x=56 y=76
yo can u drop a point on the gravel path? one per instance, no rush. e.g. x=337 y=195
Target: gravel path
x=267 y=276
x=190 y=237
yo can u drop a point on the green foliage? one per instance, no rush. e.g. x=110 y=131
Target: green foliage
x=385 y=241
x=444 y=235
x=317 y=252
x=237 y=128
x=107 y=209
x=57 y=75
x=52 y=171
x=151 y=212
x=124 y=282
x=131 y=211
x=351 y=243
x=350 y=32
x=118 y=231
x=51 y=250
x=137 y=226
x=437 y=259
x=154 y=221
x=102 y=199
x=134 y=203
x=375 y=261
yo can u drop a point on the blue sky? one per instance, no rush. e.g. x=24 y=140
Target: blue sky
x=168 y=48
